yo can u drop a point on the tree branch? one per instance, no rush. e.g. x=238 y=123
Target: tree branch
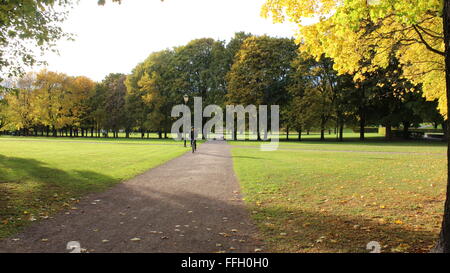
x=427 y=45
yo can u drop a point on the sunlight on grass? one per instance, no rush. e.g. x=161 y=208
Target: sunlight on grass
x=38 y=178
x=324 y=201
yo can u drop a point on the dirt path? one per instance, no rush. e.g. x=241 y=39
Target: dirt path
x=190 y=204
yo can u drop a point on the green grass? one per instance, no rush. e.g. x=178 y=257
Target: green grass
x=38 y=178
x=328 y=201
x=365 y=146
x=88 y=139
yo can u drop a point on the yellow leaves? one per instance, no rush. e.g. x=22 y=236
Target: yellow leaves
x=341 y=34
x=296 y=10
x=48 y=98
x=402 y=248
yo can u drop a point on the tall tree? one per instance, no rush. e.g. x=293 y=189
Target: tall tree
x=154 y=88
x=18 y=105
x=53 y=100
x=201 y=67
x=159 y=90
x=260 y=73
x=136 y=108
x=81 y=90
x=114 y=102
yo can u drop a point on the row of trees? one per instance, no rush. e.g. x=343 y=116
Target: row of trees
x=258 y=70
x=414 y=33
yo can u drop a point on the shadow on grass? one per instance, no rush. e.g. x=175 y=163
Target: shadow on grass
x=165 y=205
x=324 y=232
x=29 y=188
x=157 y=213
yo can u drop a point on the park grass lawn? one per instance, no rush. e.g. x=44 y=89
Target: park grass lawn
x=376 y=146
x=327 y=201
x=133 y=140
x=38 y=179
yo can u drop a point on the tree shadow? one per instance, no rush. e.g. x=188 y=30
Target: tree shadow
x=324 y=232
x=29 y=188
x=174 y=219
x=146 y=205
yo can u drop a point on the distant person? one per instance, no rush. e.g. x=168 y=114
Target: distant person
x=194 y=135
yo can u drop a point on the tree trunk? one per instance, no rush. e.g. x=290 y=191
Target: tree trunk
x=322 y=129
x=341 y=131
x=388 y=132
x=444 y=238
x=287 y=133
x=362 y=125
x=445 y=129
x=406 y=126
x=299 y=134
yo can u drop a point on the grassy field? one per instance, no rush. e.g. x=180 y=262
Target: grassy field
x=88 y=139
x=338 y=197
x=40 y=176
x=374 y=145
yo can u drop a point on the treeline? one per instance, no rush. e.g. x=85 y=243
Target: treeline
x=258 y=70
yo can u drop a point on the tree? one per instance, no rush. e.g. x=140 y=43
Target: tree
x=322 y=92
x=18 y=105
x=114 y=102
x=134 y=104
x=234 y=45
x=154 y=88
x=313 y=93
x=354 y=30
x=27 y=26
x=53 y=100
x=80 y=90
x=96 y=113
x=201 y=66
x=3 y=108
x=260 y=73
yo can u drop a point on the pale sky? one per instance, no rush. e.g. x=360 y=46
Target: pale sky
x=115 y=38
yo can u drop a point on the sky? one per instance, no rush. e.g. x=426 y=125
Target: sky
x=115 y=38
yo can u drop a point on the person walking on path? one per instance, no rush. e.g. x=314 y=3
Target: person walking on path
x=194 y=135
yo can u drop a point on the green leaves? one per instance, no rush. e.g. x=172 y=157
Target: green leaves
x=27 y=25
x=260 y=72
